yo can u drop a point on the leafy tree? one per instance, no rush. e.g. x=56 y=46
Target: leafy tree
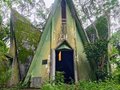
x=91 y=10
x=97 y=56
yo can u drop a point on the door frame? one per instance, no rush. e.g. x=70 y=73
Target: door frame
x=53 y=64
x=71 y=52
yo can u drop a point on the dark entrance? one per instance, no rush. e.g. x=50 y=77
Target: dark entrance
x=65 y=64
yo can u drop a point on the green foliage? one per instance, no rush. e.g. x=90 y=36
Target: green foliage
x=3 y=59
x=27 y=37
x=81 y=85
x=4 y=63
x=23 y=53
x=107 y=85
x=59 y=78
x=102 y=27
x=8 y=2
x=96 y=50
x=97 y=56
x=110 y=4
x=60 y=86
x=114 y=51
x=3 y=47
x=4 y=32
x=4 y=75
x=4 y=67
x=115 y=56
x=115 y=40
x=115 y=62
x=84 y=85
x=0 y=19
x=116 y=75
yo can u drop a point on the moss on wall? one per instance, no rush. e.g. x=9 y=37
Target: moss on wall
x=27 y=36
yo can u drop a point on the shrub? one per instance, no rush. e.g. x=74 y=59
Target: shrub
x=84 y=85
x=97 y=53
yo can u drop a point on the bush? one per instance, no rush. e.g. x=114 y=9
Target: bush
x=4 y=71
x=84 y=85
x=97 y=54
x=59 y=77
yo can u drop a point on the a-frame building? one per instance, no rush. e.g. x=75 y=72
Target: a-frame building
x=61 y=47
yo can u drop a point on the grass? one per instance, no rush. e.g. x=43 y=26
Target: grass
x=84 y=85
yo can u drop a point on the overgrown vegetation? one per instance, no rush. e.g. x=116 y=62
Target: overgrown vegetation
x=4 y=61
x=84 y=85
x=97 y=56
x=97 y=51
x=115 y=56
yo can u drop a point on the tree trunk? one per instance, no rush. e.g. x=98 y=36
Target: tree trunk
x=96 y=31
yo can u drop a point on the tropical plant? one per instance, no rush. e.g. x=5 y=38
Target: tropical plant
x=115 y=56
x=4 y=65
x=84 y=85
x=97 y=56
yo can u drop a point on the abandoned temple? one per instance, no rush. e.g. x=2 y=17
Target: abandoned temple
x=59 y=48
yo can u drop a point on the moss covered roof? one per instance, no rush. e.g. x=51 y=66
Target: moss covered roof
x=26 y=35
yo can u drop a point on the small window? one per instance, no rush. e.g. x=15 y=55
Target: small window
x=44 y=62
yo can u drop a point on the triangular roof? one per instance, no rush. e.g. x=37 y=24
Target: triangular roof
x=22 y=39
x=44 y=46
x=24 y=33
x=73 y=11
